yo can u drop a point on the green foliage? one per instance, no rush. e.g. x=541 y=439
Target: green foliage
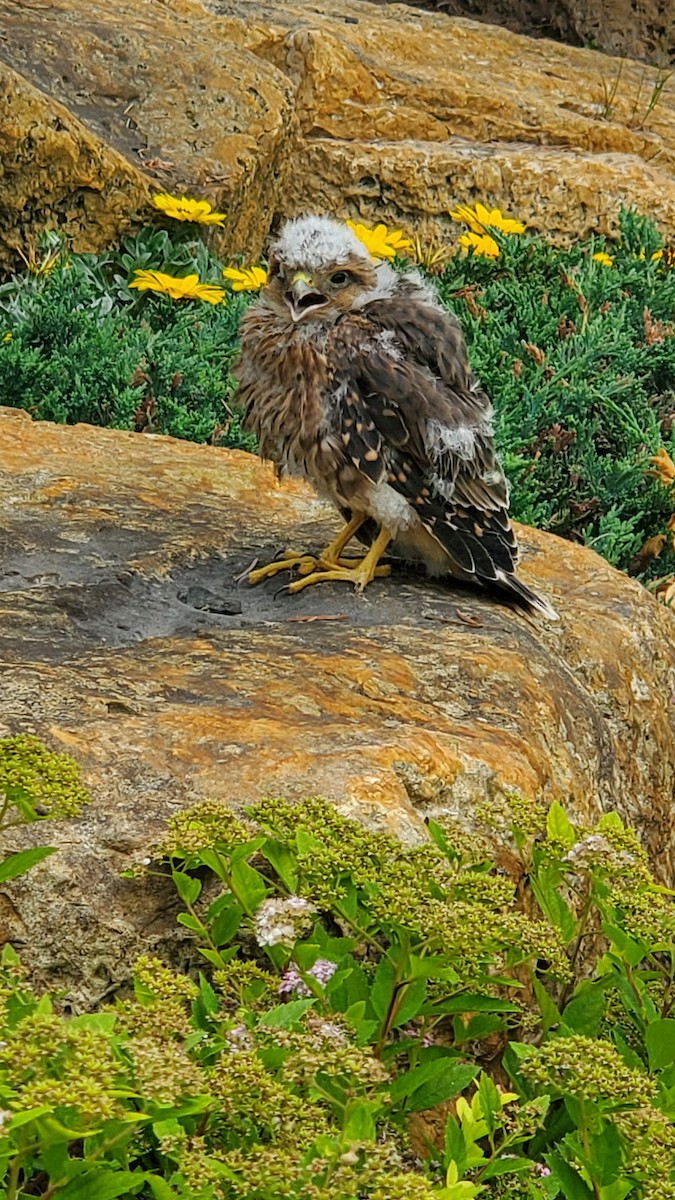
x=83 y=347
x=351 y=983
x=579 y=359
x=35 y=784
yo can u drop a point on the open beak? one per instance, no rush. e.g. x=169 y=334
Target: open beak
x=303 y=297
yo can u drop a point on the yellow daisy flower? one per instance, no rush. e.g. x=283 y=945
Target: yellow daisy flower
x=7 y=337
x=186 y=287
x=656 y=256
x=380 y=241
x=480 y=219
x=246 y=279
x=185 y=209
x=604 y=258
x=482 y=244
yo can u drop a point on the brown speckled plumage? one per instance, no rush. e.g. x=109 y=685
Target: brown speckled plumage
x=353 y=376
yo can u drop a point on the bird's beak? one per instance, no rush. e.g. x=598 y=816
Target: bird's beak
x=303 y=297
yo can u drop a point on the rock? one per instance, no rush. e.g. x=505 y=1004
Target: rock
x=134 y=97
x=639 y=29
x=54 y=171
x=405 y=114
x=122 y=644
x=269 y=109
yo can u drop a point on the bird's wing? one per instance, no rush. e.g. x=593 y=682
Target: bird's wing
x=410 y=414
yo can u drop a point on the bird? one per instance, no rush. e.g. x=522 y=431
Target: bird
x=354 y=376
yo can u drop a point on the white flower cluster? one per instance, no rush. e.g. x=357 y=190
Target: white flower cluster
x=595 y=849
x=280 y=922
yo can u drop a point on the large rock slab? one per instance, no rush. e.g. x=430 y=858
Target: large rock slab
x=635 y=28
x=405 y=114
x=54 y=171
x=128 y=640
x=270 y=109
x=101 y=103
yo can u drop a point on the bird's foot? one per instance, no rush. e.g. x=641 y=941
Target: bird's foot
x=359 y=573
x=289 y=560
x=303 y=564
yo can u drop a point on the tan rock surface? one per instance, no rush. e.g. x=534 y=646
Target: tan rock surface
x=126 y=640
x=54 y=171
x=641 y=29
x=158 y=98
x=270 y=108
x=404 y=114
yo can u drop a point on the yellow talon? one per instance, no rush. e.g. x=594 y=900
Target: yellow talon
x=365 y=570
x=330 y=565
x=305 y=563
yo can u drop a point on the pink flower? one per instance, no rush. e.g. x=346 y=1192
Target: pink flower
x=291 y=982
x=322 y=970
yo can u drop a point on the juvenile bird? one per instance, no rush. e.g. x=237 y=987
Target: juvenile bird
x=354 y=376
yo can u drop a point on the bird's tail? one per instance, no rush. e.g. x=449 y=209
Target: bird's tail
x=524 y=596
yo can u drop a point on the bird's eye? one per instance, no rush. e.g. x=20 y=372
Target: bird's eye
x=340 y=277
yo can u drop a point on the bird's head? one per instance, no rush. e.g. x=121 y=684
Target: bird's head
x=318 y=270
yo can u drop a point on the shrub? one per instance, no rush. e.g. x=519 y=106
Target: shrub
x=579 y=358
x=83 y=347
x=349 y=984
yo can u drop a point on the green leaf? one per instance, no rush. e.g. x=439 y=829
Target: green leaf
x=559 y=827
x=607 y=1155
x=473 y=1002
x=381 y=990
x=414 y=996
x=610 y=820
x=585 y=1011
x=283 y=861
x=571 y=1183
x=660 y=1043
x=478 y=1027
x=249 y=886
x=187 y=886
x=226 y=923
x=160 y=1188
x=454 y=1145
x=552 y=904
x=23 y=860
x=507 y=1166
x=171 y=1127
x=631 y=950
x=51 y=1130
x=437 y=835
x=102 y=1022
x=29 y=1114
x=431 y=1084
x=104 y=1183
x=285 y=1015
x=550 y=1014
x=218 y=958
x=489 y=1101
x=359 y=1124
x=207 y=995
x=192 y=923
